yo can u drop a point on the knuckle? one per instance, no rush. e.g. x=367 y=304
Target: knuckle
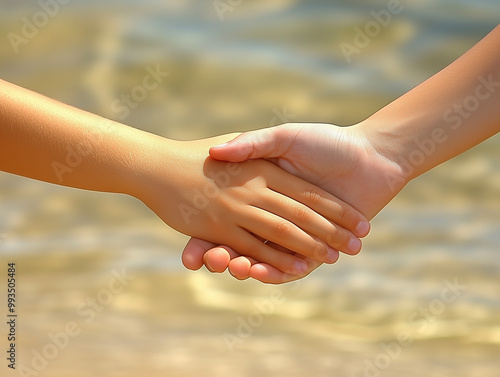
x=254 y=250
x=312 y=196
x=338 y=238
x=320 y=251
x=282 y=229
x=342 y=214
x=348 y=216
x=333 y=235
x=302 y=214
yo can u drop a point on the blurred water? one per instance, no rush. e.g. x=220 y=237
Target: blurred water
x=262 y=63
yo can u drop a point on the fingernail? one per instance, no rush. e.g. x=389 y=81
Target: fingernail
x=354 y=245
x=300 y=267
x=363 y=228
x=333 y=255
x=221 y=145
x=207 y=265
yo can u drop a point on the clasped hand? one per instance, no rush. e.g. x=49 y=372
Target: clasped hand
x=340 y=160
x=241 y=205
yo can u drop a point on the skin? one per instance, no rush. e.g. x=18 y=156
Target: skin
x=446 y=115
x=239 y=205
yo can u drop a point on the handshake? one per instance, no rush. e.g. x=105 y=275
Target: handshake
x=289 y=227
x=307 y=191
x=272 y=204
x=356 y=170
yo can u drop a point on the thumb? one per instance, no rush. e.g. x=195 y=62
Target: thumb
x=265 y=143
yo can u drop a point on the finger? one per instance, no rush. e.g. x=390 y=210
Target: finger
x=287 y=234
x=345 y=218
x=323 y=232
x=240 y=267
x=270 y=275
x=192 y=255
x=256 y=144
x=249 y=246
x=319 y=200
x=217 y=259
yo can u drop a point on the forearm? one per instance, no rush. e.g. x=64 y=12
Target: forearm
x=46 y=140
x=451 y=112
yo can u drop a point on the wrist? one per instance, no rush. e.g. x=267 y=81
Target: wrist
x=384 y=148
x=151 y=162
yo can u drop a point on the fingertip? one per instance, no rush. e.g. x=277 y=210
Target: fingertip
x=333 y=256
x=217 y=259
x=191 y=265
x=269 y=275
x=192 y=255
x=192 y=260
x=231 y=151
x=240 y=267
x=300 y=267
x=354 y=246
x=363 y=228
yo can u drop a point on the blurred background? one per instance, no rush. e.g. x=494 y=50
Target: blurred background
x=422 y=299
